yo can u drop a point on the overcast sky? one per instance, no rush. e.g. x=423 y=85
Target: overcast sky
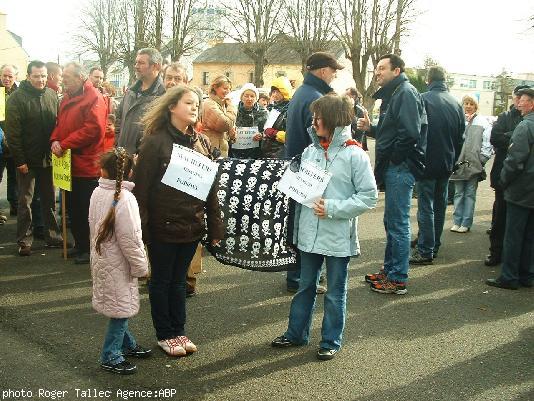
x=465 y=36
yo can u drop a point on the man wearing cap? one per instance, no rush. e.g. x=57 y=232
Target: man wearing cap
x=501 y=133
x=517 y=181
x=322 y=68
x=400 y=156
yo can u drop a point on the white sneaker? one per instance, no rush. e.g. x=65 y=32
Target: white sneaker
x=455 y=228
x=462 y=229
x=186 y=343
x=172 y=347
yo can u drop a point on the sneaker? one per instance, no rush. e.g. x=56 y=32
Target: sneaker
x=463 y=229
x=138 y=352
x=497 y=282
x=376 y=277
x=187 y=344
x=325 y=354
x=389 y=287
x=292 y=290
x=417 y=259
x=121 y=368
x=172 y=347
x=3 y=219
x=25 y=250
x=321 y=289
x=282 y=342
x=455 y=228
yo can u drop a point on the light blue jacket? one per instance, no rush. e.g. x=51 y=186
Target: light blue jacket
x=350 y=192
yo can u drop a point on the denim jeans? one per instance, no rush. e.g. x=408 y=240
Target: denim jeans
x=431 y=207
x=169 y=263
x=518 y=249
x=399 y=186
x=118 y=340
x=335 y=301
x=465 y=196
x=293 y=276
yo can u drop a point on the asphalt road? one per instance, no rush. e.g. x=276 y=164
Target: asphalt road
x=450 y=338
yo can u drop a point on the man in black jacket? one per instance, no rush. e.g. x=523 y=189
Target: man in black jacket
x=500 y=139
x=446 y=125
x=30 y=119
x=517 y=181
x=400 y=156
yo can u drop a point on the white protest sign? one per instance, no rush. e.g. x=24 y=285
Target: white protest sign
x=271 y=119
x=305 y=186
x=244 y=138
x=190 y=172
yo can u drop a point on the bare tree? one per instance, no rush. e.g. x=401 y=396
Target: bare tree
x=253 y=23
x=309 y=26
x=368 y=29
x=187 y=28
x=99 y=32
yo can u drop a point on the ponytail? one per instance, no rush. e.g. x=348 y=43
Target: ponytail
x=107 y=228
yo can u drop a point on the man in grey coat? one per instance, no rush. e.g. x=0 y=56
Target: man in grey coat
x=149 y=86
x=517 y=180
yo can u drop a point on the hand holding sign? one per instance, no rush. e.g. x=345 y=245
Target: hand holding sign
x=306 y=186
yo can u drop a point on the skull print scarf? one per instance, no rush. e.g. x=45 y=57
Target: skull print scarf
x=255 y=215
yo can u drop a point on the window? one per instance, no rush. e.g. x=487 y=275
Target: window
x=205 y=78
x=486 y=85
x=250 y=77
x=228 y=75
x=468 y=83
x=472 y=83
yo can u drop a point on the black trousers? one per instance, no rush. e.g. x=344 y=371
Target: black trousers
x=498 y=224
x=78 y=209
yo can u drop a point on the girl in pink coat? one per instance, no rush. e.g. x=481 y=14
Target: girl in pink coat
x=117 y=259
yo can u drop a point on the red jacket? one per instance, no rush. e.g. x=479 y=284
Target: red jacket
x=81 y=124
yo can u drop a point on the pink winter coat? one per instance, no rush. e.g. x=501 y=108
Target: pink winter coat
x=122 y=259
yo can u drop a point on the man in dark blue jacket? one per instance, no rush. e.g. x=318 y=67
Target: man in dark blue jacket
x=517 y=181
x=400 y=157
x=501 y=132
x=322 y=68
x=446 y=125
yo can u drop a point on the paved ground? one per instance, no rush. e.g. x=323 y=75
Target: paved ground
x=450 y=338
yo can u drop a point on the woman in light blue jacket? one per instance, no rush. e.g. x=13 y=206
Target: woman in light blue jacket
x=329 y=229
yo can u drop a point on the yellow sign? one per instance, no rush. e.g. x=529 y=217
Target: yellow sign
x=61 y=171
x=2 y=103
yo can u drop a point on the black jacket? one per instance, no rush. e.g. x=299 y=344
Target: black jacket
x=30 y=119
x=254 y=117
x=517 y=175
x=500 y=139
x=401 y=130
x=446 y=126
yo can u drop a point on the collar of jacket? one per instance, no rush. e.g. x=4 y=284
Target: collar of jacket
x=110 y=184
x=529 y=116
x=241 y=108
x=438 y=86
x=317 y=83
x=27 y=87
x=514 y=111
x=388 y=90
x=10 y=91
x=86 y=85
x=341 y=135
x=185 y=139
x=217 y=99
x=152 y=90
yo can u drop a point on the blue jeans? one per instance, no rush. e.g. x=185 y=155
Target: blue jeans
x=293 y=276
x=335 y=301
x=169 y=263
x=518 y=249
x=399 y=186
x=431 y=207
x=465 y=196
x=118 y=340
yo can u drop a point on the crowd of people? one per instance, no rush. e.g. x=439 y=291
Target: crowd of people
x=123 y=217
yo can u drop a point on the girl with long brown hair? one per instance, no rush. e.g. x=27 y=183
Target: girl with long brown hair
x=117 y=259
x=172 y=221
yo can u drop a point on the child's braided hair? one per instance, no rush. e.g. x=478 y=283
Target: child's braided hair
x=118 y=164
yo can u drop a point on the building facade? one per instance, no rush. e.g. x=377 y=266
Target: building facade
x=11 y=51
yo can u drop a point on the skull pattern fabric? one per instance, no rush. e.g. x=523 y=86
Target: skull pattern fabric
x=255 y=215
